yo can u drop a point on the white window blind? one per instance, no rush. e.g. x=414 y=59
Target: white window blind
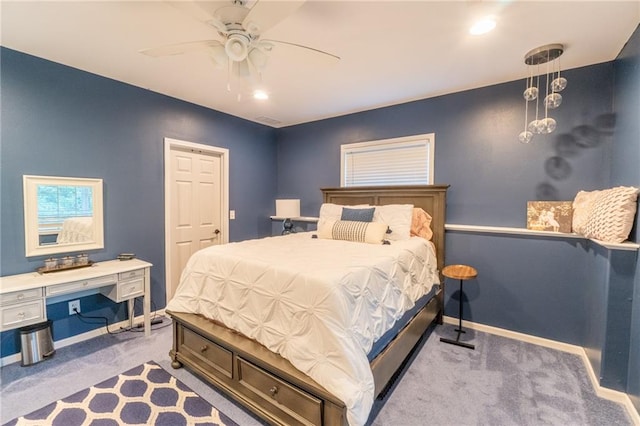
x=400 y=161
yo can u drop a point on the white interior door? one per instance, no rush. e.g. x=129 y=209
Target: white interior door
x=196 y=206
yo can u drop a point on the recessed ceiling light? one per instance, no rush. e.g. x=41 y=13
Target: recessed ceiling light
x=482 y=26
x=260 y=95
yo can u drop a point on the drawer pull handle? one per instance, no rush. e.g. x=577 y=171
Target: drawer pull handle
x=20 y=296
x=86 y=283
x=21 y=315
x=203 y=348
x=273 y=391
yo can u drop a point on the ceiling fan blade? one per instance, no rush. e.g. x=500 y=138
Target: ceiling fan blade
x=180 y=48
x=231 y=14
x=201 y=11
x=267 y=13
x=214 y=13
x=327 y=54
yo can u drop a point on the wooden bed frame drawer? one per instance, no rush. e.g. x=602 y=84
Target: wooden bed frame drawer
x=295 y=402
x=210 y=353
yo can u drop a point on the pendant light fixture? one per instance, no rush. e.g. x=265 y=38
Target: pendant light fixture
x=547 y=55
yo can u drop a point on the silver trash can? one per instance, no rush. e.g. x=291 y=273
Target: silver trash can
x=36 y=343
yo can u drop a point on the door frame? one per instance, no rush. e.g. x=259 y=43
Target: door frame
x=223 y=153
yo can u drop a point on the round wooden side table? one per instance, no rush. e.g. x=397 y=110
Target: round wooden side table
x=462 y=273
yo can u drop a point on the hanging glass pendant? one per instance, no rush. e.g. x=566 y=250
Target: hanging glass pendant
x=553 y=100
x=535 y=127
x=558 y=84
x=530 y=93
x=548 y=125
x=525 y=136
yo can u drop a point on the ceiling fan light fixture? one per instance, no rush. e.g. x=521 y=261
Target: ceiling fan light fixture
x=258 y=58
x=242 y=69
x=236 y=47
x=219 y=56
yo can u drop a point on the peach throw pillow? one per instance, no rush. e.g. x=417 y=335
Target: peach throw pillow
x=421 y=224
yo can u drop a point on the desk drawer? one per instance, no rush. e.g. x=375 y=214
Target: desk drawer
x=124 y=290
x=138 y=273
x=130 y=289
x=74 y=286
x=20 y=296
x=304 y=407
x=23 y=314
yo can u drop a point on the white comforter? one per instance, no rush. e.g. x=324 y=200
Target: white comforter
x=319 y=303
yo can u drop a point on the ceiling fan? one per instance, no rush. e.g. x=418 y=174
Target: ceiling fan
x=240 y=27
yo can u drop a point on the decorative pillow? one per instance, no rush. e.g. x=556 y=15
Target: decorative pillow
x=611 y=216
x=397 y=217
x=331 y=212
x=358 y=215
x=347 y=230
x=421 y=224
x=582 y=206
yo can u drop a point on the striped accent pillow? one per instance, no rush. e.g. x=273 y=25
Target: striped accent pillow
x=348 y=230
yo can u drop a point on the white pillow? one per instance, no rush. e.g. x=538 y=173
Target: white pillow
x=330 y=212
x=350 y=230
x=611 y=216
x=582 y=206
x=398 y=217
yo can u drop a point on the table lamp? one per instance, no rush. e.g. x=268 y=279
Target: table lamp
x=287 y=209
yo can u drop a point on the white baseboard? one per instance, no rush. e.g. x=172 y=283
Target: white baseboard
x=58 y=344
x=602 y=392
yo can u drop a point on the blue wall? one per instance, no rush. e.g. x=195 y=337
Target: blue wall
x=492 y=175
x=61 y=121
x=626 y=171
x=572 y=291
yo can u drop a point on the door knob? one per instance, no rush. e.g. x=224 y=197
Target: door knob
x=217 y=231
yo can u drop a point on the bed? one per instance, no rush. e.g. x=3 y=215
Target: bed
x=255 y=374
x=75 y=230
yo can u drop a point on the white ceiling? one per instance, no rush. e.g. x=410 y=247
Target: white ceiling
x=391 y=51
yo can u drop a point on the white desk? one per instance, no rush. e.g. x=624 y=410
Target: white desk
x=23 y=297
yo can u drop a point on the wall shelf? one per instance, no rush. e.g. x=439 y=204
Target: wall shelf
x=627 y=245
x=296 y=219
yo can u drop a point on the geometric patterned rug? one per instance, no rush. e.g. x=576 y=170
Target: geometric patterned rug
x=144 y=395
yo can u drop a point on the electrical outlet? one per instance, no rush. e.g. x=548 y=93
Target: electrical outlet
x=74 y=306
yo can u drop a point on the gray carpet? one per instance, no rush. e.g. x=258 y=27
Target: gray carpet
x=502 y=382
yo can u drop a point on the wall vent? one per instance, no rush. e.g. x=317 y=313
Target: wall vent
x=267 y=120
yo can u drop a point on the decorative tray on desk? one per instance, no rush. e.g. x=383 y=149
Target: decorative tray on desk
x=59 y=268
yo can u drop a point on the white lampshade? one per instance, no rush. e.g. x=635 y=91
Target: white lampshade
x=288 y=208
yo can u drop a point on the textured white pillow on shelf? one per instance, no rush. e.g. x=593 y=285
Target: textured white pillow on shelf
x=611 y=216
x=398 y=217
x=582 y=206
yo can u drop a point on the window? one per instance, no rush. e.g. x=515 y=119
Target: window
x=399 y=161
x=57 y=203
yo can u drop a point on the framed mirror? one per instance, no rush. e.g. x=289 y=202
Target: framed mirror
x=62 y=214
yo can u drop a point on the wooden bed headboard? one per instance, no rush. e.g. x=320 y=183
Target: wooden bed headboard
x=431 y=198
